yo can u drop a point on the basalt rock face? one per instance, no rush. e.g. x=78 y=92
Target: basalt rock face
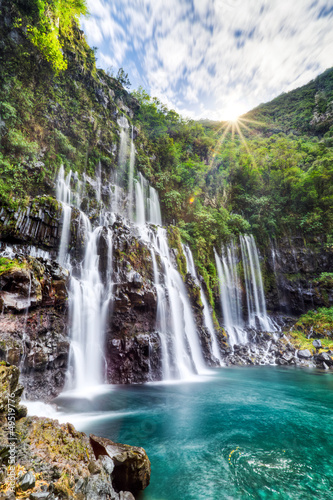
x=294 y=279
x=37 y=224
x=33 y=324
x=133 y=348
x=56 y=462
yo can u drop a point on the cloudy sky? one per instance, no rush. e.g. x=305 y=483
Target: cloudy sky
x=213 y=58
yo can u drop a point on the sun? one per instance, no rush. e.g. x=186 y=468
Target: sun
x=233 y=122
x=231 y=116
x=232 y=112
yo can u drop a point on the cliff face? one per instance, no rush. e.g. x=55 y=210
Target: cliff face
x=33 y=325
x=35 y=329
x=294 y=276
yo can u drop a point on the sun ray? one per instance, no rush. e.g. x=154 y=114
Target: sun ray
x=224 y=124
x=251 y=121
x=245 y=143
x=219 y=142
x=233 y=131
x=244 y=126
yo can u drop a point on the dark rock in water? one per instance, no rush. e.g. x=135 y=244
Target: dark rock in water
x=304 y=354
x=131 y=464
x=134 y=359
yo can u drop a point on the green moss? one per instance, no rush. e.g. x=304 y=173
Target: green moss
x=10 y=265
x=320 y=322
x=300 y=341
x=313 y=325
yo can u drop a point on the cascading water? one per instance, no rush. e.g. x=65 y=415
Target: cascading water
x=256 y=304
x=230 y=291
x=88 y=310
x=154 y=210
x=91 y=293
x=230 y=295
x=89 y=297
x=64 y=197
x=131 y=178
x=177 y=317
x=140 y=191
x=162 y=319
x=208 y=320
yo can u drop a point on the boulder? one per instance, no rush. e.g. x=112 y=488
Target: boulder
x=317 y=344
x=131 y=464
x=304 y=354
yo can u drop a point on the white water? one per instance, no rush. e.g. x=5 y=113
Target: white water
x=161 y=319
x=154 y=210
x=256 y=304
x=230 y=295
x=140 y=200
x=184 y=341
x=64 y=197
x=91 y=293
x=208 y=320
x=131 y=179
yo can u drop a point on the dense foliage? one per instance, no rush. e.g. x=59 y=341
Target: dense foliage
x=270 y=174
x=49 y=23
x=257 y=179
x=49 y=117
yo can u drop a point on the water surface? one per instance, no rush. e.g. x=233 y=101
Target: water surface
x=243 y=433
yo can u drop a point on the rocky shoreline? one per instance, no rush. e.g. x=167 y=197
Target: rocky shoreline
x=41 y=459
x=269 y=350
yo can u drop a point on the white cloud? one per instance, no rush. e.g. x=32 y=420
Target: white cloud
x=208 y=55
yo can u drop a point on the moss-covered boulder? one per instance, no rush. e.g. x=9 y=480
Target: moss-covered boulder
x=55 y=461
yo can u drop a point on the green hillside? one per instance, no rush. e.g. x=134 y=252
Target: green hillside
x=270 y=174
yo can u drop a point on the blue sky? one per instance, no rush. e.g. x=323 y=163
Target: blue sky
x=213 y=58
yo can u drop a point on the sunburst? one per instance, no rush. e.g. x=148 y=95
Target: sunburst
x=233 y=125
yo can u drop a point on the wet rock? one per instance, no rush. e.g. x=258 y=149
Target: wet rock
x=34 y=337
x=304 y=354
x=324 y=357
x=131 y=464
x=134 y=359
x=296 y=268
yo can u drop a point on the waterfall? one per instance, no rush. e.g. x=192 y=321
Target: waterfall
x=131 y=178
x=63 y=195
x=184 y=340
x=98 y=182
x=122 y=157
x=256 y=304
x=230 y=291
x=161 y=319
x=154 y=215
x=230 y=295
x=140 y=194
x=91 y=289
x=208 y=320
x=89 y=297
